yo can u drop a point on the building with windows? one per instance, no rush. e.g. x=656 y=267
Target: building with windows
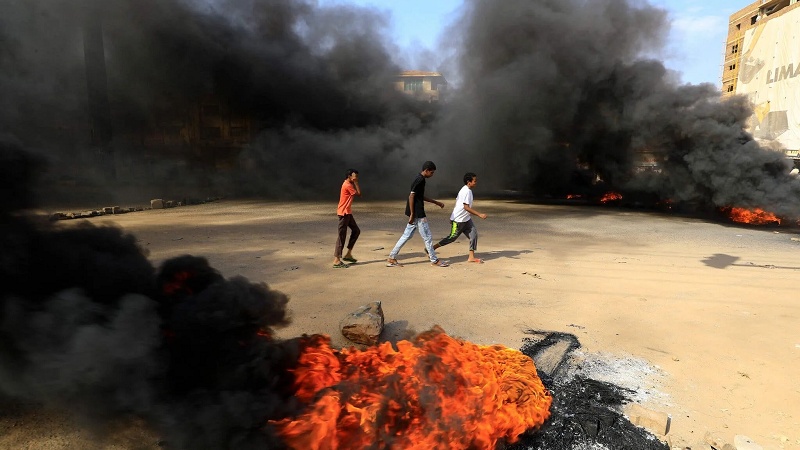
x=207 y=131
x=762 y=62
x=424 y=86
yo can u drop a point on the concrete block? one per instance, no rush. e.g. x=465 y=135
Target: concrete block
x=157 y=203
x=656 y=422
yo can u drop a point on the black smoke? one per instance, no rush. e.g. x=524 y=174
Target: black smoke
x=551 y=88
x=548 y=96
x=88 y=325
x=310 y=85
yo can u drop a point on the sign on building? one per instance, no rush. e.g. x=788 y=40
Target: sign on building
x=770 y=76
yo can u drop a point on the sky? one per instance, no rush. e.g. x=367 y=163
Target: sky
x=695 y=47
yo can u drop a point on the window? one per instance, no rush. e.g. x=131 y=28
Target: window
x=732 y=66
x=776 y=7
x=735 y=48
x=753 y=20
x=412 y=85
x=738 y=26
x=730 y=88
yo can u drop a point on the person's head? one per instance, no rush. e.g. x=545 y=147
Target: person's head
x=352 y=175
x=428 y=168
x=470 y=179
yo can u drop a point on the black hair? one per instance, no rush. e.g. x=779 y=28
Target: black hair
x=350 y=172
x=428 y=165
x=469 y=176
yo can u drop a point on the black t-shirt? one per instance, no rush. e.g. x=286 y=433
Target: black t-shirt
x=418 y=188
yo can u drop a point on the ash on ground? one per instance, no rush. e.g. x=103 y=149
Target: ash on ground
x=588 y=395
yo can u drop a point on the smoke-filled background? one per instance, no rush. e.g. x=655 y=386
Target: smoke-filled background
x=89 y=326
x=96 y=103
x=552 y=88
x=547 y=96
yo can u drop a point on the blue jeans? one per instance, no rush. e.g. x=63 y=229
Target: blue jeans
x=424 y=231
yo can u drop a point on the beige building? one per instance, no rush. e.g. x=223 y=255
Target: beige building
x=762 y=62
x=749 y=17
x=425 y=86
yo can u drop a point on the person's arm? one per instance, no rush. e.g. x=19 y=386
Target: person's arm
x=474 y=212
x=435 y=202
x=411 y=207
x=356 y=187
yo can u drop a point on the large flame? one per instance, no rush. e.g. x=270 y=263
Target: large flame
x=757 y=216
x=434 y=392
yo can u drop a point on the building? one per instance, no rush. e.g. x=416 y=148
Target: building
x=762 y=61
x=425 y=86
x=206 y=131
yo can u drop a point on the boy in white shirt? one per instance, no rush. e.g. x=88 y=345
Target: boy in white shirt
x=461 y=218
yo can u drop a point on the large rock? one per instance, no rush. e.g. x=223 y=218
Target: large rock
x=364 y=325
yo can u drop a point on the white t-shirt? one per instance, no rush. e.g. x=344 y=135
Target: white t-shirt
x=459 y=213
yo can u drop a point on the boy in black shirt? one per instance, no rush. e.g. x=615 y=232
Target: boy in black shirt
x=415 y=210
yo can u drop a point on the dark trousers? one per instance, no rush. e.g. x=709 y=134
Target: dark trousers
x=346 y=221
x=456 y=229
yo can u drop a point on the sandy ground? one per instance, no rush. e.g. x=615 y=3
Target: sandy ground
x=709 y=309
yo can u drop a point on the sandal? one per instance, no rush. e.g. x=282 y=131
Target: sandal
x=350 y=259
x=393 y=264
x=440 y=263
x=341 y=265
x=476 y=261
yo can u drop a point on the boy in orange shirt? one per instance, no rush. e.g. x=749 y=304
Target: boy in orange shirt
x=349 y=190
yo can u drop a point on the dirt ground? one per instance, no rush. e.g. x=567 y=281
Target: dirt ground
x=708 y=308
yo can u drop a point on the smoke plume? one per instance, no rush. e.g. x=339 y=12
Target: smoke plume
x=311 y=86
x=551 y=88
x=88 y=325
x=548 y=96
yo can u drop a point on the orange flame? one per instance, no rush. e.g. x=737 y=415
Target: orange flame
x=571 y=196
x=757 y=216
x=434 y=392
x=610 y=196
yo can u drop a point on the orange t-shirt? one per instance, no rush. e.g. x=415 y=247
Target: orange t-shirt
x=346 y=199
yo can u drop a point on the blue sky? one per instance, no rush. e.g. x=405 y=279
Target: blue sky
x=695 y=47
